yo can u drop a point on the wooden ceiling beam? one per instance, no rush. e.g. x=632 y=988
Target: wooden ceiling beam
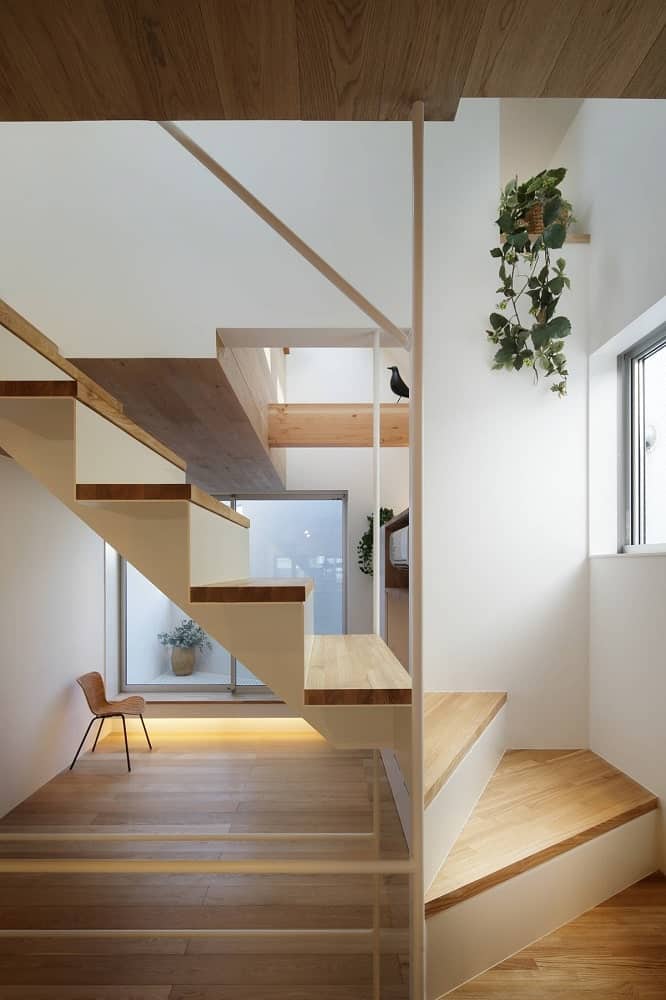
x=336 y=425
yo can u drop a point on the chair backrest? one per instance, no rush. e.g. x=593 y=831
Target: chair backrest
x=93 y=688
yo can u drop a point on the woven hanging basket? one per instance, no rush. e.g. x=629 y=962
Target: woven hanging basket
x=534 y=218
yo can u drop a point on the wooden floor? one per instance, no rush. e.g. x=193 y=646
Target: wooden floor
x=355 y=670
x=232 y=783
x=617 y=951
x=538 y=804
x=452 y=722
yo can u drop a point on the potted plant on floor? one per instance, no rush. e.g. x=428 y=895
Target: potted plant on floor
x=533 y=221
x=184 y=640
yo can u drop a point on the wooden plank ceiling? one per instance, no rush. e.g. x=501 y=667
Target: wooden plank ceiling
x=318 y=59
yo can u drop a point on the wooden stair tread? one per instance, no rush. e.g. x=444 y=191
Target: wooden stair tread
x=616 y=950
x=355 y=670
x=254 y=590
x=158 y=491
x=95 y=398
x=452 y=722
x=538 y=804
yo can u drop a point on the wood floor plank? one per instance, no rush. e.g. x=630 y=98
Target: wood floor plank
x=538 y=804
x=617 y=951
x=199 y=785
x=453 y=721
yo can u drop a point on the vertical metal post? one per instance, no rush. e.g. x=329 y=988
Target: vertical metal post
x=417 y=923
x=376 y=469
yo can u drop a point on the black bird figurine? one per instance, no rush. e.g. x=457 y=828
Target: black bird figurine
x=397 y=385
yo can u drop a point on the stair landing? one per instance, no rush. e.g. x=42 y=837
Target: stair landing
x=452 y=722
x=355 y=670
x=538 y=804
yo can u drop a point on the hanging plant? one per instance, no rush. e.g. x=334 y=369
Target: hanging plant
x=533 y=221
x=366 y=545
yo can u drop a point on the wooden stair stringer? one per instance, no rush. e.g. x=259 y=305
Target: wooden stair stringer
x=155 y=536
x=74 y=438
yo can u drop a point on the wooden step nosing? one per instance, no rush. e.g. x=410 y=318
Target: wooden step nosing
x=248 y=595
x=156 y=493
x=475 y=735
x=357 y=696
x=37 y=388
x=530 y=861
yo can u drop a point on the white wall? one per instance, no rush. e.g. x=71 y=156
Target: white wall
x=158 y=253
x=615 y=152
x=505 y=602
x=345 y=376
x=628 y=666
x=52 y=627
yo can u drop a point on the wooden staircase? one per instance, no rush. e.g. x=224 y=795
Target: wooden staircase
x=74 y=438
x=550 y=834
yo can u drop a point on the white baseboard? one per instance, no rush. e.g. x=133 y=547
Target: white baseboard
x=478 y=933
x=454 y=803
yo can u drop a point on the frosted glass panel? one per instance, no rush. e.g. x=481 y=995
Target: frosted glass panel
x=294 y=537
x=148 y=613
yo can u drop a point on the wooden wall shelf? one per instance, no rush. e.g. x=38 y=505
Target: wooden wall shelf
x=571 y=238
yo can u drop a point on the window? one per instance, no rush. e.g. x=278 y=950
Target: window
x=291 y=534
x=644 y=370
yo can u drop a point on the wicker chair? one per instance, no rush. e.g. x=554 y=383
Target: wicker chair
x=102 y=709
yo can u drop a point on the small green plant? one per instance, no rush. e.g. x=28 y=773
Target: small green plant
x=365 y=546
x=527 y=274
x=187 y=635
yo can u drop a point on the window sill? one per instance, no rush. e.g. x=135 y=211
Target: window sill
x=636 y=552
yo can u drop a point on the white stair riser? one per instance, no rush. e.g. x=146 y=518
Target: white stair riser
x=20 y=363
x=448 y=812
x=478 y=933
x=106 y=454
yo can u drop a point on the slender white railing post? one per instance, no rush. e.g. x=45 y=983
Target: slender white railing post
x=417 y=958
x=376 y=470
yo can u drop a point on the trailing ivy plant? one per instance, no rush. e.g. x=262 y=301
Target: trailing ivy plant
x=529 y=275
x=366 y=544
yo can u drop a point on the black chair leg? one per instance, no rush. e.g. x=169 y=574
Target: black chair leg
x=146 y=732
x=101 y=723
x=129 y=766
x=76 y=755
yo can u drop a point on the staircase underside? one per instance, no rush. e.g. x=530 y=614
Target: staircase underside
x=538 y=804
x=617 y=951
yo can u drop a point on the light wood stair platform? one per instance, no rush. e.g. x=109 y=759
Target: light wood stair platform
x=453 y=721
x=615 y=951
x=355 y=670
x=539 y=804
